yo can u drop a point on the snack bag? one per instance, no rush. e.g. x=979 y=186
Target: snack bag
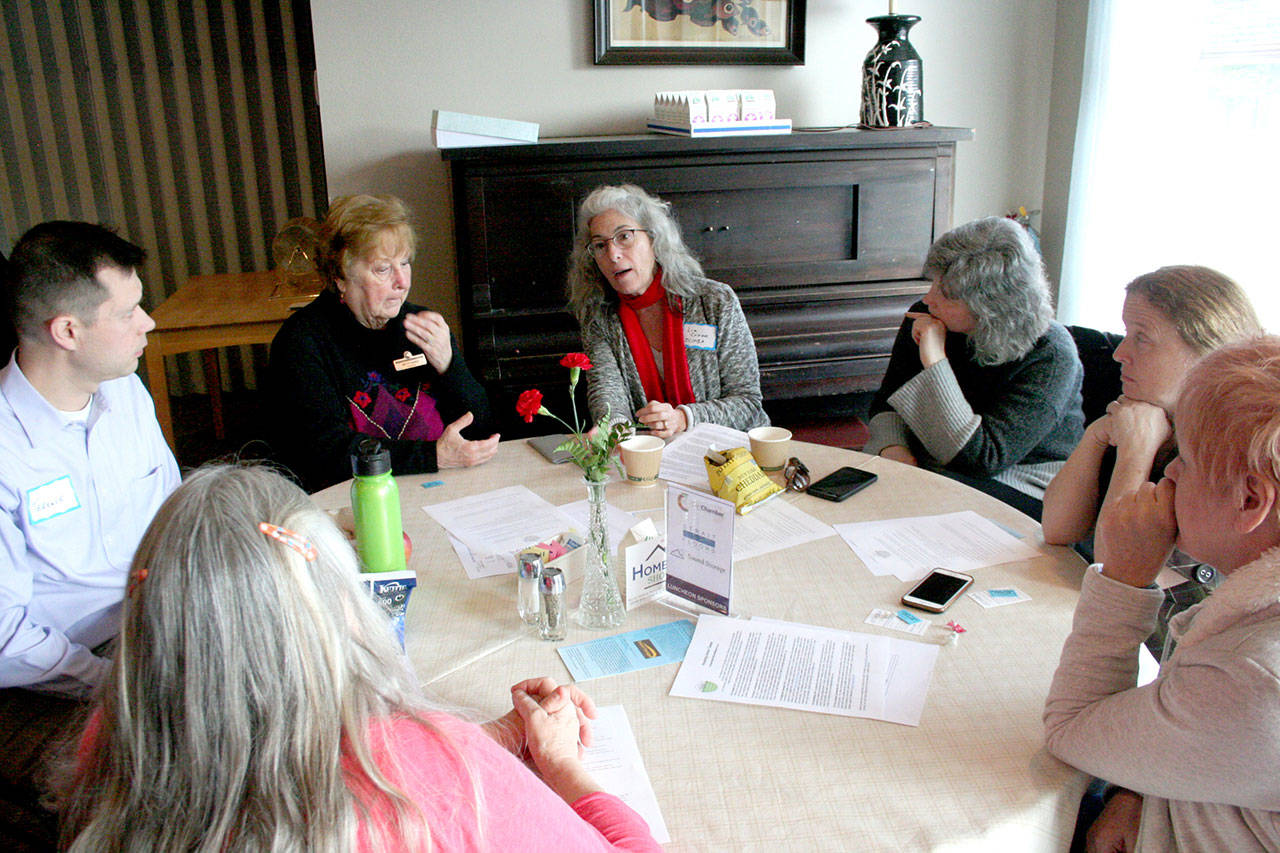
x=734 y=476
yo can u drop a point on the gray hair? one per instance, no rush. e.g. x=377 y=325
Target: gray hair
x=992 y=266
x=588 y=289
x=244 y=674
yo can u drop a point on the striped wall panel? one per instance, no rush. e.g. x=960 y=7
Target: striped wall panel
x=191 y=127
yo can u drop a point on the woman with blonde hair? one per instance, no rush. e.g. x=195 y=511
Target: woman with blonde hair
x=360 y=361
x=1195 y=751
x=258 y=701
x=1172 y=317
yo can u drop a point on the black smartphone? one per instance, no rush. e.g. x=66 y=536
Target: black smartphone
x=841 y=483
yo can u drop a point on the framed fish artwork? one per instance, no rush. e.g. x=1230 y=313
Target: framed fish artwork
x=699 y=32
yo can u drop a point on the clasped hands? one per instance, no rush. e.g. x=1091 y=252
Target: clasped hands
x=1133 y=425
x=549 y=724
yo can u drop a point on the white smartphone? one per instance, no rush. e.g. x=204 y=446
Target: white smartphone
x=937 y=591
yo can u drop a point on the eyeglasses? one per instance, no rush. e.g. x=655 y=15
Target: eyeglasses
x=623 y=238
x=796 y=475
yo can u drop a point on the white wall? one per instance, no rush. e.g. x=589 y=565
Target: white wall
x=383 y=67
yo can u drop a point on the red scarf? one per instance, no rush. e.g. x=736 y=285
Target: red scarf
x=675 y=388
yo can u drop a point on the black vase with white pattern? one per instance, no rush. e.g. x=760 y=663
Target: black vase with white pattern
x=892 y=76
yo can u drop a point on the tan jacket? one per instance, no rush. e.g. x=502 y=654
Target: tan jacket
x=1202 y=741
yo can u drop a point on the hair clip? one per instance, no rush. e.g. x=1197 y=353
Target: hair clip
x=293 y=540
x=134 y=580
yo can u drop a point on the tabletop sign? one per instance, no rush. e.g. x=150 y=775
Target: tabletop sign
x=644 y=563
x=699 y=547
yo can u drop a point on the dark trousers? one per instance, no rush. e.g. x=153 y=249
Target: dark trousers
x=36 y=732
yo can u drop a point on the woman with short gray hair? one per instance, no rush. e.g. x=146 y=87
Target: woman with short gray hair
x=668 y=346
x=982 y=385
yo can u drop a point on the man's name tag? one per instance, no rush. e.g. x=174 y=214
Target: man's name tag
x=57 y=497
x=409 y=361
x=699 y=336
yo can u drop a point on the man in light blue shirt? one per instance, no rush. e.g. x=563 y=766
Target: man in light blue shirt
x=83 y=468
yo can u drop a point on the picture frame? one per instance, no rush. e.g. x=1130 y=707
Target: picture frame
x=699 y=32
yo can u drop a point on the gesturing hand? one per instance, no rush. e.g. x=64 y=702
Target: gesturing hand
x=930 y=334
x=454 y=451
x=428 y=330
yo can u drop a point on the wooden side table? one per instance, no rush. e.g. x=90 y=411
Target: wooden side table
x=213 y=311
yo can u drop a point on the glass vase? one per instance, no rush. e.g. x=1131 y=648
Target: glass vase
x=601 y=605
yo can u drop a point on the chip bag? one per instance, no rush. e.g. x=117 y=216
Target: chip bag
x=734 y=476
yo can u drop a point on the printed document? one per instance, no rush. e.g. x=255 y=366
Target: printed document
x=910 y=547
x=493 y=538
x=682 y=458
x=808 y=668
x=613 y=759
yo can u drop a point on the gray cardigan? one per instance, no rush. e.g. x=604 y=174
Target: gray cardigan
x=726 y=380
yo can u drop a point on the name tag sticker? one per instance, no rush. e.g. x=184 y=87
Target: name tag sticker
x=699 y=336
x=54 y=498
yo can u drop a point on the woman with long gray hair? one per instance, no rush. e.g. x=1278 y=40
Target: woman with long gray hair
x=668 y=345
x=258 y=701
x=982 y=385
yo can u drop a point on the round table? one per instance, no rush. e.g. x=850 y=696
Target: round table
x=973 y=775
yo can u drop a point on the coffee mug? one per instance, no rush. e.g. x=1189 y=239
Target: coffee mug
x=770 y=446
x=642 y=458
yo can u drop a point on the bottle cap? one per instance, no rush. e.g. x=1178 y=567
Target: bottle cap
x=370 y=459
x=551 y=580
x=528 y=565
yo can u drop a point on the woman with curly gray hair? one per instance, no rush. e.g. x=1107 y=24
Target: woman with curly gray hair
x=665 y=342
x=983 y=384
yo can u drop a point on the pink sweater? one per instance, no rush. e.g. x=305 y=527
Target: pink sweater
x=446 y=775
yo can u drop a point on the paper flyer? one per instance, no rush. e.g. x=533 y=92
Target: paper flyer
x=641 y=649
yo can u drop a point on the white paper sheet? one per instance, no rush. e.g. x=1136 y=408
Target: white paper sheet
x=883 y=678
x=773 y=527
x=682 y=458
x=481 y=564
x=785 y=665
x=910 y=547
x=615 y=763
x=495 y=525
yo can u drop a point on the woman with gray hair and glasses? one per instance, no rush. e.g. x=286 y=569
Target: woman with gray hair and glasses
x=667 y=345
x=258 y=700
x=982 y=385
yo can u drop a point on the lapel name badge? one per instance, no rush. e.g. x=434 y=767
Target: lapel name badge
x=409 y=361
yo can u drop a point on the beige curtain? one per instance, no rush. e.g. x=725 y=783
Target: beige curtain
x=190 y=127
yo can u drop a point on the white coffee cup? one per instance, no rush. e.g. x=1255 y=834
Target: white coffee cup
x=642 y=458
x=770 y=446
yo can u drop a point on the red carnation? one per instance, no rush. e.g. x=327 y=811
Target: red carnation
x=576 y=359
x=361 y=399
x=529 y=404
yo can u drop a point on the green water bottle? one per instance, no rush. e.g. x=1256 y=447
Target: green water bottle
x=375 y=503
